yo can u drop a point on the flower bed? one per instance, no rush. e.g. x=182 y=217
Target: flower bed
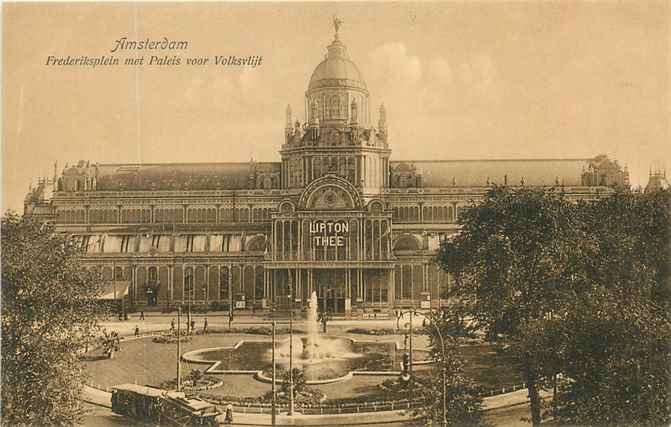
x=171 y=339
x=195 y=381
x=366 y=331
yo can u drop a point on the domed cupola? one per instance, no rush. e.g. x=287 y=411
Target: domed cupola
x=337 y=70
x=334 y=85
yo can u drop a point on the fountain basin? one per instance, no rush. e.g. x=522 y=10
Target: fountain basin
x=339 y=359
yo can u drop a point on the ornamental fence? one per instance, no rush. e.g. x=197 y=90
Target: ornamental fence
x=323 y=409
x=337 y=408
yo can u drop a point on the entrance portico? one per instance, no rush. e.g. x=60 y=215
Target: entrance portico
x=339 y=290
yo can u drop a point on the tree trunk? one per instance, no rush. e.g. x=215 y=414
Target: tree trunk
x=532 y=387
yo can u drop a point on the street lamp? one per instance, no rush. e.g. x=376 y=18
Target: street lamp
x=442 y=350
x=179 y=355
x=189 y=287
x=291 y=345
x=274 y=401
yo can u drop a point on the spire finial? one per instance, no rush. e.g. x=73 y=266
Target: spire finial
x=337 y=22
x=382 y=121
x=287 y=119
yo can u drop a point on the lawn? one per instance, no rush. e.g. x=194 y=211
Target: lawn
x=145 y=362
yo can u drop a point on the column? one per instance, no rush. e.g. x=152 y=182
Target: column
x=282 y=240
x=219 y=284
x=379 y=238
x=230 y=285
x=402 y=285
x=412 y=283
x=360 y=285
x=300 y=239
x=242 y=282
x=207 y=282
x=134 y=270
x=363 y=239
x=183 y=281
x=170 y=281
x=391 y=291
x=427 y=288
x=310 y=282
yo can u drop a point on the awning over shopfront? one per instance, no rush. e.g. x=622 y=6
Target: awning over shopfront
x=115 y=290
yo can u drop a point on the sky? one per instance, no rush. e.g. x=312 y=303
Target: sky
x=459 y=80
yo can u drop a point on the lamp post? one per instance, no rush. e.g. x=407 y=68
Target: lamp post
x=291 y=346
x=230 y=304
x=444 y=359
x=274 y=402
x=189 y=286
x=179 y=367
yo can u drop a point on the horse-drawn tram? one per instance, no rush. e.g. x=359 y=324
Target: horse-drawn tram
x=163 y=407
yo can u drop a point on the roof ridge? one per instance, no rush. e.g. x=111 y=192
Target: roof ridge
x=494 y=160
x=186 y=164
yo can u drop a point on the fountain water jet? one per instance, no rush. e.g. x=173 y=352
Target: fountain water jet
x=310 y=342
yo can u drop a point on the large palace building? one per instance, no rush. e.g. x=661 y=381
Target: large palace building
x=336 y=215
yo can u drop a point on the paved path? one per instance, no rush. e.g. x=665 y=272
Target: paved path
x=509 y=407
x=102 y=399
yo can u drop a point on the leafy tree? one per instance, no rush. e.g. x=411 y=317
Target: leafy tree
x=628 y=249
x=514 y=260
x=615 y=335
x=110 y=343
x=584 y=290
x=617 y=357
x=49 y=313
x=300 y=386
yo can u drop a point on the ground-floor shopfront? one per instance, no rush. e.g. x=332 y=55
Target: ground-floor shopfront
x=258 y=285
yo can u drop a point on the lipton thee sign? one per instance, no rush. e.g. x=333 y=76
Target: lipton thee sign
x=329 y=233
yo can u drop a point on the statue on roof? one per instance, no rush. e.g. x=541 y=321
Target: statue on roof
x=337 y=22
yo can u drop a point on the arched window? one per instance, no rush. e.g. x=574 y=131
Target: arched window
x=335 y=107
x=153 y=274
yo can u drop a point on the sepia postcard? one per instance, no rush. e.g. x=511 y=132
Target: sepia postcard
x=268 y=193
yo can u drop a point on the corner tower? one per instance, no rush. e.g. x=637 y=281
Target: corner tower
x=336 y=136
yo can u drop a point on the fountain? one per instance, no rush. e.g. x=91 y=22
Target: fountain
x=322 y=358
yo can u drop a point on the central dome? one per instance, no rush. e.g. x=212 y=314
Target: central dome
x=337 y=70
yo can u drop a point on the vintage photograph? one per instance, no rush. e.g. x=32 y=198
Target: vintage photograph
x=336 y=213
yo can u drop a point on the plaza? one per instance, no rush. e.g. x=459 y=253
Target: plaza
x=142 y=361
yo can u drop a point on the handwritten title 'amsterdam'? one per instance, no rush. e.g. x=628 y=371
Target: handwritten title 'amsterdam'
x=163 y=44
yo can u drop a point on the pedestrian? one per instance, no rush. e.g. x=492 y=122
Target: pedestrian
x=205 y=326
x=137 y=331
x=172 y=325
x=228 y=419
x=193 y=326
x=141 y=315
